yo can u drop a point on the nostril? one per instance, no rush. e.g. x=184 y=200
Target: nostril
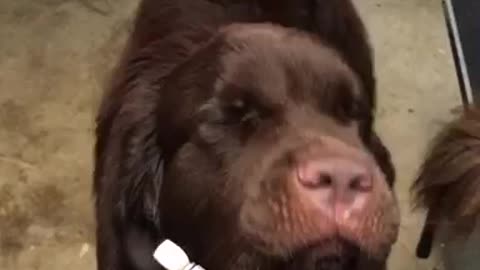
x=324 y=180
x=360 y=183
x=315 y=181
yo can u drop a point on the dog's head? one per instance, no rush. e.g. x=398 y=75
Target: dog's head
x=275 y=163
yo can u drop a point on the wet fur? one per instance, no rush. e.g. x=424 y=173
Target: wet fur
x=448 y=185
x=140 y=132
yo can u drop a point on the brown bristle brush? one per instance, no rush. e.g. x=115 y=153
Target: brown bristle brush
x=448 y=184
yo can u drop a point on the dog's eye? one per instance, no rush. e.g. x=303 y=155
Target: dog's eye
x=360 y=111
x=236 y=109
x=351 y=108
x=238 y=112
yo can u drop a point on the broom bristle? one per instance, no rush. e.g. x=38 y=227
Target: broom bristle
x=448 y=184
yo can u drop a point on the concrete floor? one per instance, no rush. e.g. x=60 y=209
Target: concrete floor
x=54 y=58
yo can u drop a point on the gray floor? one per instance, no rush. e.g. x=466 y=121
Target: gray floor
x=54 y=58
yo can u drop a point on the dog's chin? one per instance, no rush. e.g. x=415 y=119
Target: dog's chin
x=332 y=254
x=335 y=246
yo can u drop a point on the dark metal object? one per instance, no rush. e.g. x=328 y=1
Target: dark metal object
x=463 y=21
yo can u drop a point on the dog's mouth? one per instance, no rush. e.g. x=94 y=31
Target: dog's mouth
x=328 y=238
x=326 y=246
x=334 y=253
x=331 y=254
x=330 y=249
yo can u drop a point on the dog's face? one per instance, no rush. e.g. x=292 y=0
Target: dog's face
x=276 y=168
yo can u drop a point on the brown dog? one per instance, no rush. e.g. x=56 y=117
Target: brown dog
x=249 y=144
x=448 y=185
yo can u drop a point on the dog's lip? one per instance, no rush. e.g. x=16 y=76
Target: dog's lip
x=332 y=247
x=328 y=240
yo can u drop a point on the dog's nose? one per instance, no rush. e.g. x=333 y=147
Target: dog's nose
x=339 y=175
x=335 y=184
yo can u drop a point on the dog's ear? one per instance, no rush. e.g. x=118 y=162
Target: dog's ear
x=142 y=170
x=129 y=155
x=129 y=173
x=141 y=124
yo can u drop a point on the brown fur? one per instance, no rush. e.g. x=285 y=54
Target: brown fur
x=195 y=135
x=448 y=185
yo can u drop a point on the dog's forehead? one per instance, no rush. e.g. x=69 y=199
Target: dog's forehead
x=277 y=62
